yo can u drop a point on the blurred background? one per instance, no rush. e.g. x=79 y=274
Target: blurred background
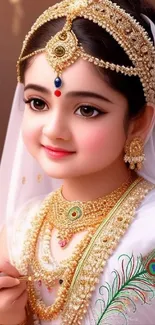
x=16 y=18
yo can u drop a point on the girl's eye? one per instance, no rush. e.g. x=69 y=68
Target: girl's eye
x=36 y=104
x=88 y=111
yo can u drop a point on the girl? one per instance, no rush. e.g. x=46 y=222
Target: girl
x=83 y=254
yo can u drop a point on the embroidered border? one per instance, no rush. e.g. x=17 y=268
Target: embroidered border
x=100 y=249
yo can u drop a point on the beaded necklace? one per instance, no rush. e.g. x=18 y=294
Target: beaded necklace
x=40 y=231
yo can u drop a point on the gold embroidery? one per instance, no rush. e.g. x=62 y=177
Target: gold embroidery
x=100 y=249
x=24 y=180
x=39 y=178
x=95 y=208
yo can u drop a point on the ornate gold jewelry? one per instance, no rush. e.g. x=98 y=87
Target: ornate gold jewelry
x=86 y=263
x=68 y=213
x=44 y=267
x=102 y=246
x=69 y=218
x=29 y=249
x=134 y=153
x=72 y=217
x=50 y=312
x=63 y=49
x=40 y=230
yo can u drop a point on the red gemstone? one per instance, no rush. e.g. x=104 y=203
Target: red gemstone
x=57 y=93
x=63 y=243
x=49 y=290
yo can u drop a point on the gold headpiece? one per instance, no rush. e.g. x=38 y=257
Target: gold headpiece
x=63 y=49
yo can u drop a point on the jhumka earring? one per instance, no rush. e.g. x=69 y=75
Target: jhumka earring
x=134 y=153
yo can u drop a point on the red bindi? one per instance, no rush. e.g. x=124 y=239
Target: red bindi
x=57 y=93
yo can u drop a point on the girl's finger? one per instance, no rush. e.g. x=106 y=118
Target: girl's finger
x=8 y=269
x=11 y=295
x=8 y=282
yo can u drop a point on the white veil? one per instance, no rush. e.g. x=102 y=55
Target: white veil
x=21 y=177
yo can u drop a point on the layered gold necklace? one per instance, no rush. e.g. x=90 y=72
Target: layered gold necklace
x=69 y=218
x=72 y=217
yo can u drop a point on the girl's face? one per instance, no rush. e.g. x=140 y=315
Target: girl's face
x=82 y=132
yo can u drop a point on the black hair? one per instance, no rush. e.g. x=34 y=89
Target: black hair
x=97 y=42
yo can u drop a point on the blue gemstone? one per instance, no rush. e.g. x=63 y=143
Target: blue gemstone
x=58 y=82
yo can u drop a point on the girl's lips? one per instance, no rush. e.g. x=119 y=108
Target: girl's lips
x=57 y=152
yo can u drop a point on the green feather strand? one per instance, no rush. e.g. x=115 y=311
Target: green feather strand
x=133 y=282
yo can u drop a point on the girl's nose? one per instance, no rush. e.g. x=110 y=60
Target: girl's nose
x=57 y=127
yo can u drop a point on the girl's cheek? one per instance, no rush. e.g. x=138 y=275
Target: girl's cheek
x=28 y=138
x=29 y=133
x=30 y=127
x=92 y=142
x=100 y=138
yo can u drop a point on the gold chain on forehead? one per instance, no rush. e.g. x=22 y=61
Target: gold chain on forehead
x=63 y=49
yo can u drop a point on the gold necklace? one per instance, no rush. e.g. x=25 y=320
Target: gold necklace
x=37 y=226
x=72 y=217
x=44 y=266
x=104 y=243
x=36 y=303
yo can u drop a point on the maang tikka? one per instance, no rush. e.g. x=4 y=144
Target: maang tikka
x=134 y=153
x=64 y=49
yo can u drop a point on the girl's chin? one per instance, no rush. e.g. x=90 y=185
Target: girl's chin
x=57 y=173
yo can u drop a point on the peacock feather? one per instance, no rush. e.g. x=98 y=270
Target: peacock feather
x=134 y=282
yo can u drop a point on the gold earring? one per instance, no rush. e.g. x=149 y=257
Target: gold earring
x=134 y=153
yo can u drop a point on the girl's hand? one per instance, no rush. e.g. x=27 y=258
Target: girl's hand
x=13 y=296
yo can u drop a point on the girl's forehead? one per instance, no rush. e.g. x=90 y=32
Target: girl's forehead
x=80 y=76
x=80 y=70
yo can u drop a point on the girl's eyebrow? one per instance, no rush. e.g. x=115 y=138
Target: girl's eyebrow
x=38 y=88
x=81 y=93
x=87 y=94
